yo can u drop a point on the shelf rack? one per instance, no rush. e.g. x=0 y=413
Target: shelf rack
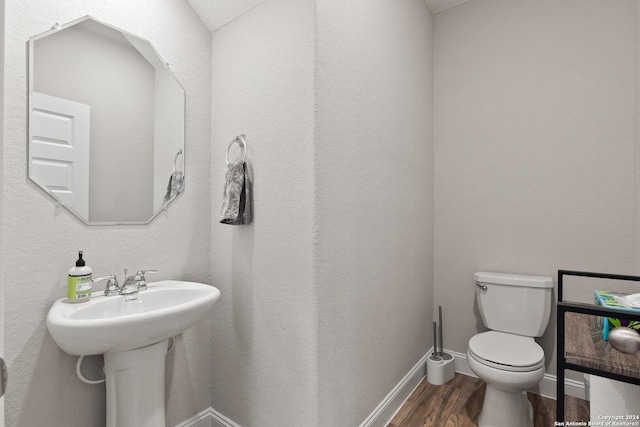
x=604 y=360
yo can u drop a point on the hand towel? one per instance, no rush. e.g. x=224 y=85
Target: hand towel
x=175 y=186
x=236 y=198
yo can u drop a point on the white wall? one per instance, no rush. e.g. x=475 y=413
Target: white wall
x=1 y=183
x=534 y=146
x=374 y=200
x=326 y=297
x=39 y=241
x=636 y=255
x=265 y=337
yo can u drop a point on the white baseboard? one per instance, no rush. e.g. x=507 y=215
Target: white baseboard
x=546 y=388
x=208 y=418
x=385 y=411
x=380 y=417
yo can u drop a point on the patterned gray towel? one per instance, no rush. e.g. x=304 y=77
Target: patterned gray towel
x=175 y=186
x=236 y=198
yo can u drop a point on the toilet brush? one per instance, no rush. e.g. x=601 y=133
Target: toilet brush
x=441 y=351
x=435 y=356
x=440 y=367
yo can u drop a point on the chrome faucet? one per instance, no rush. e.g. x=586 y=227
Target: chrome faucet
x=112 y=287
x=142 y=282
x=131 y=285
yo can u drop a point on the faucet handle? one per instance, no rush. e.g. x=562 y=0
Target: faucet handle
x=112 y=287
x=143 y=272
x=142 y=281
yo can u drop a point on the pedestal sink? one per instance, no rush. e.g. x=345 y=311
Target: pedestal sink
x=132 y=331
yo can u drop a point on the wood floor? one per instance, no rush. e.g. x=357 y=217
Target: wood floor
x=458 y=403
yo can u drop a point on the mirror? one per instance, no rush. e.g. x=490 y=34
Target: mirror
x=106 y=123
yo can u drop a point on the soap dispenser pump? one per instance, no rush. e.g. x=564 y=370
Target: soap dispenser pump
x=80 y=281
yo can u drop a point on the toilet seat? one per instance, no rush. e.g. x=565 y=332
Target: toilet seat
x=507 y=352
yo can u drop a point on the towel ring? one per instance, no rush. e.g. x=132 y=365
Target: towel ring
x=241 y=141
x=175 y=159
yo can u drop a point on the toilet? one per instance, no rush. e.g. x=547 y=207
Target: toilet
x=516 y=309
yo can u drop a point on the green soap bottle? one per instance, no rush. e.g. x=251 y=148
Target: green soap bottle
x=79 y=284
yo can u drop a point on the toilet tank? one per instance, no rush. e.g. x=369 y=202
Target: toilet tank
x=514 y=303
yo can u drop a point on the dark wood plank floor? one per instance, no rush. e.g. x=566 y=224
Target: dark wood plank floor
x=458 y=403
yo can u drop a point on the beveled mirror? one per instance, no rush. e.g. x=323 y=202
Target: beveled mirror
x=106 y=123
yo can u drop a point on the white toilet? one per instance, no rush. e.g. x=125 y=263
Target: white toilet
x=516 y=308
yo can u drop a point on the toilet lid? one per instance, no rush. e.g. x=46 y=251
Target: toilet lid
x=507 y=350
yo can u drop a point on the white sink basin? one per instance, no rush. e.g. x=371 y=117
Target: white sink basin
x=126 y=322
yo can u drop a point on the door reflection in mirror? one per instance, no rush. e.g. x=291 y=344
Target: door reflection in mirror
x=135 y=122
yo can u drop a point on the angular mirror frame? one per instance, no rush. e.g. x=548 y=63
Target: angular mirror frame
x=56 y=28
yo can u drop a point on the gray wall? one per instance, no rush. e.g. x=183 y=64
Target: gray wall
x=1 y=185
x=534 y=146
x=40 y=241
x=374 y=200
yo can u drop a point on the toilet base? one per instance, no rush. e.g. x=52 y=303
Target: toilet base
x=505 y=409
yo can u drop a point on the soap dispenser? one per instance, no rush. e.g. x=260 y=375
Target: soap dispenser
x=80 y=281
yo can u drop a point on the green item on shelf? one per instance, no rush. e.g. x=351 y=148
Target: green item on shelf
x=605 y=324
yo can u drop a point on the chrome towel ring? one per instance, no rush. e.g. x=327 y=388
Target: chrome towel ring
x=175 y=159
x=240 y=140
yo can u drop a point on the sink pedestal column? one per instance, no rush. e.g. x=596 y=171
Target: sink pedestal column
x=135 y=386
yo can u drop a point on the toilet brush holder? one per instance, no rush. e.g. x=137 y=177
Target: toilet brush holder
x=440 y=369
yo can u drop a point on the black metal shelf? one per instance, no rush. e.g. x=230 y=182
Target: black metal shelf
x=565 y=307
